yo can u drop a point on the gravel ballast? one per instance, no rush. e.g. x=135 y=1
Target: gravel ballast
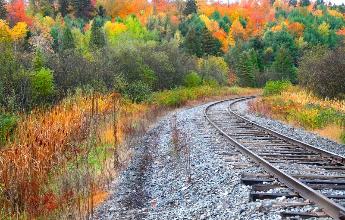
x=182 y=168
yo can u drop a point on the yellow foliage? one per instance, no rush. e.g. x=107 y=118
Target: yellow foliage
x=317 y=13
x=16 y=33
x=218 y=33
x=114 y=29
x=335 y=13
x=300 y=43
x=324 y=28
x=237 y=30
x=277 y=28
x=19 y=31
x=5 y=31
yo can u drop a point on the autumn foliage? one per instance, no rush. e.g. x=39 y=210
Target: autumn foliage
x=65 y=64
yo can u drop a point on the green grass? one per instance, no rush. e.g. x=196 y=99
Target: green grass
x=179 y=96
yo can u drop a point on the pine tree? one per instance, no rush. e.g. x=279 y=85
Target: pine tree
x=293 y=3
x=283 y=66
x=305 y=3
x=101 y=12
x=63 y=7
x=3 y=11
x=67 y=39
x=192 y=43
x=97 y=39
x=210 y=45
x=190 y=8
x=247 y=68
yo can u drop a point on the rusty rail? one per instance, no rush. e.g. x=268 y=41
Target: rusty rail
x=330 y=207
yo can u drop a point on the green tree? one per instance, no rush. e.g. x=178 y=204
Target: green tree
x=210 y=45
x=190 y=8
x=63 y=7
x=3 y=11
x=305 y=3
x=283 y=66
x=138 y=91
x=247 y=68
x=193 y=43
x=97 y=39
x=67 y=39
x=8 y=67
x=293 y=3
x=38 y=61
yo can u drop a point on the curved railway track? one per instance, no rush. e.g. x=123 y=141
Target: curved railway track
x=283 y=158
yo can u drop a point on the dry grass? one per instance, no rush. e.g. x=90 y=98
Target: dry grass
x=332 y=131
x=303 y=97
x=302 y=109
x=60 y=159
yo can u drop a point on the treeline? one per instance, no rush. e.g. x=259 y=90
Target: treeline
x=51 y=48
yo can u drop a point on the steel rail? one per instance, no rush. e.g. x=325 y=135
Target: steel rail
x=333 y=209
x=331 y=155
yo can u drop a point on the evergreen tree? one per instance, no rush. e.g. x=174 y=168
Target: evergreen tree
x=190 y=8
x=63 y=7
x=247 y=68
x=3 y=11
x=67 y=39
x=192 y=42
x=210 y=45
x=293 y=3
x=101 y=12
x=97 y=39
x=305 y=3
x=283 y=66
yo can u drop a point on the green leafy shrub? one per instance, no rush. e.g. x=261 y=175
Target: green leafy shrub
x=42 y=83
x=192 y=79
x=275 y=87
x=307 y=118
x=7 y=126
x=214 y=69
x=138 y=91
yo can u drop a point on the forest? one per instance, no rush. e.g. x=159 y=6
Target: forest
x=64 y=64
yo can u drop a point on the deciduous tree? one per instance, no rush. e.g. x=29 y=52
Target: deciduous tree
x=3 y=11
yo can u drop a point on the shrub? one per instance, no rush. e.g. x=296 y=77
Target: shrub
x=7 y=126
x=307 y=118
x=322 y=71
x=192 y=79
x=42 y=85
x=275 y=87
x=214 y=68
x=138 y=91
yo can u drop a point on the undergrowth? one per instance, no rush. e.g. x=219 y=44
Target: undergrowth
x=180 y=96
x=59 y=160
x=296 y=106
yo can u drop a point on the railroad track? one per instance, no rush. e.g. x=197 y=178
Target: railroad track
x=286 y=160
